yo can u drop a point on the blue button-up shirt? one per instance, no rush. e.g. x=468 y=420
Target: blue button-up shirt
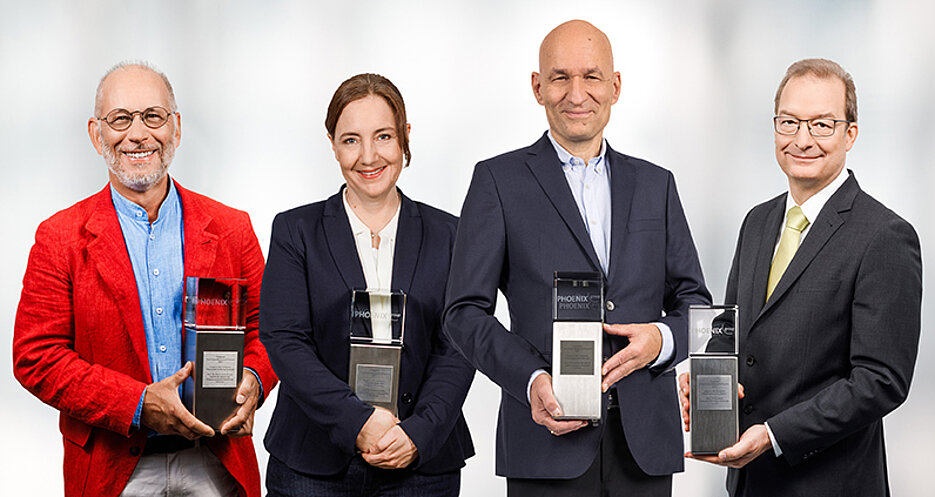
x=590 y=185
x=156 y=254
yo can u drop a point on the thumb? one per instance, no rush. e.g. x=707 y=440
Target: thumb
x=549 y=402
x=182 y=374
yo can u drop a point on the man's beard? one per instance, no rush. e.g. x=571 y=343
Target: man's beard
x=138 y=182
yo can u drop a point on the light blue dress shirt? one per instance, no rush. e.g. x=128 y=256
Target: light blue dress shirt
x=156 y=254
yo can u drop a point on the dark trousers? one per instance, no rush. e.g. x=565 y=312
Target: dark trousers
x=613 y=473
x=359 y=480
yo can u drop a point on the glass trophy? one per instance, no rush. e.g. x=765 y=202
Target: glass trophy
x=215 y=321
x=377 y=324
x=577 y=333
x=713 y=370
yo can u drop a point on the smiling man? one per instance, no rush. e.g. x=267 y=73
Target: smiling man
x=98 y=332
x=829 y=284
x=571 y=203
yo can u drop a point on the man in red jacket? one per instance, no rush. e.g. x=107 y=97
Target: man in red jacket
x=98 y=328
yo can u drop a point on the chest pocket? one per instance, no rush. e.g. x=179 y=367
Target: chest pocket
x=637 y=225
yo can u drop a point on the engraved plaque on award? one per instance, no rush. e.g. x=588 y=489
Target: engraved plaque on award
x=377 y=324
x=577 y=332
x=215 y=320
x=713 y=373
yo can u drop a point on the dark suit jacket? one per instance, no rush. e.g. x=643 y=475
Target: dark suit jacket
x=833 y=349
x=304 y=323
x=518 y=225
x=79 y=343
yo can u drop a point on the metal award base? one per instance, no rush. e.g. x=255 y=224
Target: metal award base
x=576 y=368
x=210 y=392
x=714 y=414
x=374 y=374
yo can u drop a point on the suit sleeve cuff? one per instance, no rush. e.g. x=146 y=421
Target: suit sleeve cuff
x=139 y=411
x=535 y=374
x=772 y=440
x=668 y=345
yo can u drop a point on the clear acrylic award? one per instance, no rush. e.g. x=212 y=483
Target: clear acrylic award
x=713 y=374
x=215 y=321
x=376 y=335
x=577 y=334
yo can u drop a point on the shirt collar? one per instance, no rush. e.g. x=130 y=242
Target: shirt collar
x=359 y=228
x=131 y=210
x=565 y=156
x=812 y=207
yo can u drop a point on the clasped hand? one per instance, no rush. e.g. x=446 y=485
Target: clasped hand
x=383 y=443
x=754 y=441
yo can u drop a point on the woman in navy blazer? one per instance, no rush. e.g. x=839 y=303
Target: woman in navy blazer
x=323 y=440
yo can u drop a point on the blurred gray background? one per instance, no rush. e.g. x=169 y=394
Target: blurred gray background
x=253 y=80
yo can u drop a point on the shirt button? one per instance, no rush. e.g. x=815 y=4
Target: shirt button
x=609 y=305
x=156 y=272
x=751 y=360
x=152 y=237
x=748 y=409
x=162 y=348
x=159 y=310
x=139 y=213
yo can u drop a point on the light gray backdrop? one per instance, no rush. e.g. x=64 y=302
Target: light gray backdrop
x=253 y=80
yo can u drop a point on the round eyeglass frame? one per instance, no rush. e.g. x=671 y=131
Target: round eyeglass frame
x=124 y=112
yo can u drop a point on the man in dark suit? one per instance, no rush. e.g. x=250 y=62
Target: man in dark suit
x=571 y=203
x=829 y=283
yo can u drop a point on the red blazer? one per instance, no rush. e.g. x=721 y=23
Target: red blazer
x=79 y=344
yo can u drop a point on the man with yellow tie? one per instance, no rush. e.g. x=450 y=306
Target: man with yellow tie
x=829 y=285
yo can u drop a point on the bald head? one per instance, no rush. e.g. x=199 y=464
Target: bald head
x=576 y=35
x=577 y=85
x=132 y=67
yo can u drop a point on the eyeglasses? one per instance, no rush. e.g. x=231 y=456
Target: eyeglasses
x=122 y=119
x=819 y=128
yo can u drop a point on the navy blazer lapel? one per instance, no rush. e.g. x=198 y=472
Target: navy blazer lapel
x=622 y=184
x=545 y=166
x=408 y=244
x=828 y=222
x=341 y=242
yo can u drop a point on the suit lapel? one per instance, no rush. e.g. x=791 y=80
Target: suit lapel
x=547 y=169
x=201 y=237
x=108 y=250
x=765 y=236
x=341 y=242
x=828 y=222
x=622 y=184
x=408 y=244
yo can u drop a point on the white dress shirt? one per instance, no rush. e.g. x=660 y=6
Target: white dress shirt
x=377 y=264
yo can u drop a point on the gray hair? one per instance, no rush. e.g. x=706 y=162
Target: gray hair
x=139 y=64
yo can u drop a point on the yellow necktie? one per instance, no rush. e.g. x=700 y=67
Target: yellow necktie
x=788 y=244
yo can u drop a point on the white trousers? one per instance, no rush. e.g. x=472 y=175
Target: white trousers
x=196 y=472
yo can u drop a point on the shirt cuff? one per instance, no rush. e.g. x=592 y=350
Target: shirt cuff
x=773 y=441
x=668 y=345
x=258 y=380
x=139 y=411
x=535 y=374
